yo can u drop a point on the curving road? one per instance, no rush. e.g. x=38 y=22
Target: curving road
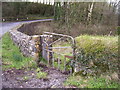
x=6 y=26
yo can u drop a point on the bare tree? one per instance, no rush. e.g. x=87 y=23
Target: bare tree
x=90 y=9
x=119 y=14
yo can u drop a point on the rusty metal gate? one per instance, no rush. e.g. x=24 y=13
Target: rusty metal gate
x=58 y=50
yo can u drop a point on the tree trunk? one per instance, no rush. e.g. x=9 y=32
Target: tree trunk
x=90 y=13
x=64 y=13
x=118 y=14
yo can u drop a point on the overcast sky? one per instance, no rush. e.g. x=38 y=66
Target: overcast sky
x=72 y=0
x=52 y=1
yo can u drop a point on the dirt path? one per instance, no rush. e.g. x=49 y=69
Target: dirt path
x=14 y=79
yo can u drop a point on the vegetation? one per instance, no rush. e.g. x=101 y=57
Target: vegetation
x=91 y=82
x=25 y=78
x=11 y=11
x=12 y=57
x=98 y=52
x=93 y=18
x=94 y=27
x=38 y=69
x=86 y=12
x=99 y=56
x=97 y=41
x=40 y=74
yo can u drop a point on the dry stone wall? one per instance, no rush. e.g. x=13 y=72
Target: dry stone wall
x=28 y=45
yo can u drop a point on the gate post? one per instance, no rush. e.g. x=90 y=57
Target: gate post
x=37 y=51
x=46 y=50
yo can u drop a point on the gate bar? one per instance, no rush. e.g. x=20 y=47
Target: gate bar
x=56 y=41
x=73 y=43
x=73 y=40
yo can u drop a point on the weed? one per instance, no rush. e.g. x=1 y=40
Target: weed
x=25 y=78
x=41 y=75
x=38 y=69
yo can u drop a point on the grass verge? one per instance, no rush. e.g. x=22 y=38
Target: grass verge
x=91 y=82
x=12 y=57
x=91 y=43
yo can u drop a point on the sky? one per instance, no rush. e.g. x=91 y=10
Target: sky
x=61 y=0
x=52 y=1
x=72 y=0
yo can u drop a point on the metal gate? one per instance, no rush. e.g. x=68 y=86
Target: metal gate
x=58 y=50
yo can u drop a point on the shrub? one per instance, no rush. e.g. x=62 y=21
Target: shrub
x=99 y=53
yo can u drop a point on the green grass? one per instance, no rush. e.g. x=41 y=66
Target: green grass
x=12 y=57
x=99 y=43
x=91 y=82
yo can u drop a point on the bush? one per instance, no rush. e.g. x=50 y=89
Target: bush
x=99 y=53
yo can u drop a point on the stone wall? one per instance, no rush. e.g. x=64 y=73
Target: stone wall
x=28 y=45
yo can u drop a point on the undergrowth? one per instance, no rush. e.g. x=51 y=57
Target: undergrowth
x=99 y=53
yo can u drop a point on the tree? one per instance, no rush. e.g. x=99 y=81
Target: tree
x=90 y=10
x=119 y=14
x=23 y=9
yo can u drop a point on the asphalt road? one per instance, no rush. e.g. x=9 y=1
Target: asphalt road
x=6 y=26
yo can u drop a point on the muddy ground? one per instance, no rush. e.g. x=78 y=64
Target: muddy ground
x=14 y=78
